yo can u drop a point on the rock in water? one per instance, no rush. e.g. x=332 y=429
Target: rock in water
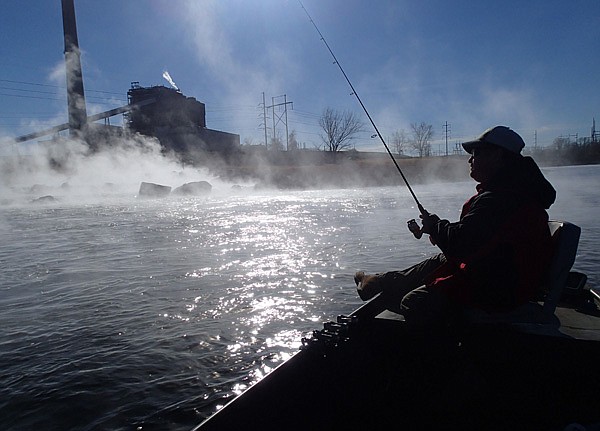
x=45 y=200
x=152 y=190
x=196 y=188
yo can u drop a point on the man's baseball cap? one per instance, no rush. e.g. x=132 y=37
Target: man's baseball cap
x=501 y=136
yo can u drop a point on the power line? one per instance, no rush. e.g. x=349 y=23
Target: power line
x=57 y=98
x=27 y=91
x=56 y=86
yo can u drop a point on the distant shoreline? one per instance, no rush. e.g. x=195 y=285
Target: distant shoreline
x=315 y=169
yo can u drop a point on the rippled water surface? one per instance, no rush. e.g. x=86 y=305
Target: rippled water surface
x=130 y=314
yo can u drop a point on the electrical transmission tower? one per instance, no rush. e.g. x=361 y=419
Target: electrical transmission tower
x=447 y=132
x=263 y=105
x=280 y=116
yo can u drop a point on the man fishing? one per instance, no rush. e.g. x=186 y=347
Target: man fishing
x=494 y=257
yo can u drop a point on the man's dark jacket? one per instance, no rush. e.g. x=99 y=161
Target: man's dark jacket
x=501 y=247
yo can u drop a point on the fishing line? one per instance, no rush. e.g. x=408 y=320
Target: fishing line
x=335 y=60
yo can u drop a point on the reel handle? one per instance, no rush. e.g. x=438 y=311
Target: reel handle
x=414 y=227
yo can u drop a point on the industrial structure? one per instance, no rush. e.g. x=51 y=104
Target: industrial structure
x=177 y=121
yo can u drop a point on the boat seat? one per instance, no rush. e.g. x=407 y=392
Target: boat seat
x=565 y=239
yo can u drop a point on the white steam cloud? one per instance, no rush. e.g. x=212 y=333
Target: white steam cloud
x=167 y=76
x=237 y=78
x=70 y=173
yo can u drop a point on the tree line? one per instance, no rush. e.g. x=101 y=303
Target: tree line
x=563 y=151
x=340 y=128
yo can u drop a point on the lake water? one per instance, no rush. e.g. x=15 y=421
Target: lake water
x=128 y=314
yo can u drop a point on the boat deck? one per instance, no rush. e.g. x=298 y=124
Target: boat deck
x=367 y=371
x=578 y=322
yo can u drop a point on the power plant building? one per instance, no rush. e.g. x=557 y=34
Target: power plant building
x=177 y=121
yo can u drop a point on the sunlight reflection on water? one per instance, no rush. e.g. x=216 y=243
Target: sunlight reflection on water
x=274 y=250
x=174 y=306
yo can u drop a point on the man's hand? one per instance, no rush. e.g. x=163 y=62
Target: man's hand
x=429 y=221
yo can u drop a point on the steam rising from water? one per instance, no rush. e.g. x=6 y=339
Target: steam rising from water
x=66 y=170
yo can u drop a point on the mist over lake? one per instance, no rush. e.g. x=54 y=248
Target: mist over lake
x=124 y=313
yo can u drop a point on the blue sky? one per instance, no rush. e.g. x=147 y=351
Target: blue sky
x=531 y=65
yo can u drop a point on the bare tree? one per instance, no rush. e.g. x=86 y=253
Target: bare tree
x=340 y=129
x=399 y=141
x=293 y=141
x=276 y=143
x=422 y=134
x=560 y=143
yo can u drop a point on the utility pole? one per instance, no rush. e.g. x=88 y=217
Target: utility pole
x=281 y=117
x=576 y=137
x=447 y=129
x=264 y=106
x=457 y=149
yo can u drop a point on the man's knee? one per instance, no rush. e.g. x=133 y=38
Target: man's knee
x=424 y=306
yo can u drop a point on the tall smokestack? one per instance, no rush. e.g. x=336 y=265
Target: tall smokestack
x=75 y=95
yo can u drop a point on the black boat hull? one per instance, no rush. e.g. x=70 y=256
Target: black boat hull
x=382 y=376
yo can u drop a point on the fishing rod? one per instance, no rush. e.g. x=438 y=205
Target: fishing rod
x=412 y=225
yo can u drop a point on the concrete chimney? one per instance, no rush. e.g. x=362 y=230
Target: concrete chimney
x=75 y=94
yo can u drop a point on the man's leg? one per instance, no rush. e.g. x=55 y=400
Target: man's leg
x=428 y=307
x=396 y=284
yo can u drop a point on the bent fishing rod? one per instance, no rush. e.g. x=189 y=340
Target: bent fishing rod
x=412 y=225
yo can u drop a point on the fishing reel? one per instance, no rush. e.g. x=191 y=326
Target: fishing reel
x=417 y=230
x=414 y=227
